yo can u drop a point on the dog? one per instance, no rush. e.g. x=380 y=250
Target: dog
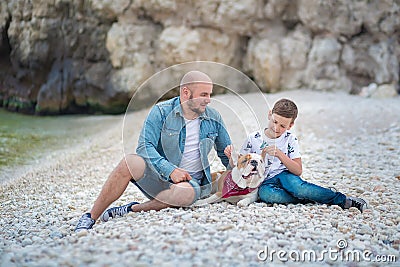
x=240 y=185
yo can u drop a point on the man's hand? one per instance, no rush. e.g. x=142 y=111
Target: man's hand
x=180 y=175
x=228 y=151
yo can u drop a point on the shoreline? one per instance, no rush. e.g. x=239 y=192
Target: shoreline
x=354 y=154
x=71 y=133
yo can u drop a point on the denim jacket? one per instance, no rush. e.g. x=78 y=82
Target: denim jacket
x=162 y=139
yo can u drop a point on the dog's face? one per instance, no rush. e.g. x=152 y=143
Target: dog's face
x=249 y=170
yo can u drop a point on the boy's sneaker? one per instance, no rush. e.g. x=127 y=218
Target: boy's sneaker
x=85 y=223
x=117 y=211
x=356 y=202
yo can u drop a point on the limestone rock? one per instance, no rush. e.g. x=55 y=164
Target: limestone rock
x=285 y=9
x=364 y=58
x=110 y=8
x=54 y=95
x=115 y=45
x=126 y=80
x=381 y=16
x=131 y=44
x=4 y=18
x=385 y=91
x=294 y=50
x=381 y=91
x=323 y=72
x=340 y=17
x=233 y=16
x=263 y=58
x=181 y=44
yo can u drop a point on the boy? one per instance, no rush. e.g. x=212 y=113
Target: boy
x=282 y=182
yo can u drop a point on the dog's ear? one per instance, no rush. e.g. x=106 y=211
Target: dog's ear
x=235 y=156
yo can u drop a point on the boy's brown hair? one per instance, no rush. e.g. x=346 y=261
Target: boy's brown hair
x=285 y=108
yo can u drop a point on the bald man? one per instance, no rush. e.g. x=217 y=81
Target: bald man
x=171 y=166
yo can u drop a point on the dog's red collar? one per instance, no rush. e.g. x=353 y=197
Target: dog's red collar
x=230 y=188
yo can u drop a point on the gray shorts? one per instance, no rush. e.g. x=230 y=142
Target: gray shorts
x=152 y=183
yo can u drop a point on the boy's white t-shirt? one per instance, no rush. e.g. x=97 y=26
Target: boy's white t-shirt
x=287 y=143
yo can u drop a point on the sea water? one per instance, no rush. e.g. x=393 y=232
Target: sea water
x=24 y=139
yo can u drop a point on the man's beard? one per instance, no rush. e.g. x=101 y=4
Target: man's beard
x=191 y=104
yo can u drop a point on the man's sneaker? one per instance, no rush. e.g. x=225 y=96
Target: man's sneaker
x=117 y=211
x=85 y=223
x=356 y=202
x=333 y=189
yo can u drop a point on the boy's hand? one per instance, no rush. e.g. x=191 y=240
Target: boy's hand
x=272 y=151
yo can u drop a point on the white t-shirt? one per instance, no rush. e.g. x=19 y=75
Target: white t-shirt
x=191 y=161
x=287 y=143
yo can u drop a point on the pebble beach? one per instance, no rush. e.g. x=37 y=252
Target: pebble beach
x=349 y=143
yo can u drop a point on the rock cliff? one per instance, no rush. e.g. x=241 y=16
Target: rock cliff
x=63 y=56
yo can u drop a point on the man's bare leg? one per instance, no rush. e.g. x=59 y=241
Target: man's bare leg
x=117 y=182
x=179 y=195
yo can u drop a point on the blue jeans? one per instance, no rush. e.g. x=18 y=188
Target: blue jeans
x=289 y=188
